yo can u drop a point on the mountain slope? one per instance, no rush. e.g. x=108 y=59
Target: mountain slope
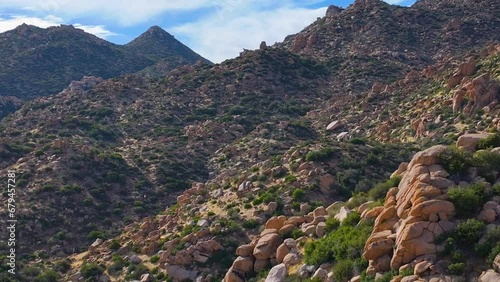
x=273 y=132
x=38 y=62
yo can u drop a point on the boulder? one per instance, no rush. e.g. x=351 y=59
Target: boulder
x=277 y=274
x=291 y=259
x=260 y=264
x=488 y=216
x=179 y=273
x=334 y=125
x=281 y=252
x=320 y=273
x=266 y=246
x=342 y=214
x=429 y=156
x=325 y=182
x=320 y=229
x=489 y=276
x=275 y=222
x=496 y=263
x=243 y=264
x=286 y=229
x=319 y=211
x=470 y=140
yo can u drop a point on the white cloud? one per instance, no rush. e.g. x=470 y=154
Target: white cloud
x=125 y=12
x=97 y=30
x=225 y=34
x=16 y=20
x=13 y=21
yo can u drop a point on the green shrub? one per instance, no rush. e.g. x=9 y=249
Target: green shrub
x=331 y=224
x=487 y=163
x=352 y=219
x=250 y=224
x=467 y=200
x=322 y=154
x=48 y=275
x=456 y=268
x=114 y=245
x=491 y=241
x=60 y=235
x=380 y=190
x=470 y=231
x=89 y=270
x=343 y=270
x=154 y=259
x=347 y=242
x=491 y=141
x=456 y=160
x=62 y=265
x=298 y=194
x=93 y=235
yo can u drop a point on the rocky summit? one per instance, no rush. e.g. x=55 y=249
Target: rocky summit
x=364 y=148
x=38 y=62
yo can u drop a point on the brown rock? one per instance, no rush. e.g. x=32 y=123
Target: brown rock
x=243 y=264
x=260 y=264
x=281 y=252
x=427 y=157
x=326 y=181
x=286 y=229
x=421 y=267
x=244 y=250
x=469 y=141
x=266 y=246
x=488 y=216
x=275 y=222
x=233 y=276
x=319 y=211
x=291 y=259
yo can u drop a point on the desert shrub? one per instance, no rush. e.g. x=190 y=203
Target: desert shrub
x=381 y=189
x=322 y=154
x=456 y=268
x=469 y=232
x=491 y=141
x=298 y=194
x=154 y=259
x=490 y=243
x=114 y=245
x=352 y=219
x=488 y=164
x=250 y=224
x=48 y=275
x=91 y=270
x=456 y=160
x=343 y=270
x=331 y=224
x=346 y=242
x=62 y=265
x=467 y=200
x=93 y=235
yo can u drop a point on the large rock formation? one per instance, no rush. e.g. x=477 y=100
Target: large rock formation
x=415 y=213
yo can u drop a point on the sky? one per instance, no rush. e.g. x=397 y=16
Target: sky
x=216 y=29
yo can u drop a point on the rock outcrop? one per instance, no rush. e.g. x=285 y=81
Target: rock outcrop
x=414 y=214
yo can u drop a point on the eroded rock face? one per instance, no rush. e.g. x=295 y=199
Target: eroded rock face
x=414 y=214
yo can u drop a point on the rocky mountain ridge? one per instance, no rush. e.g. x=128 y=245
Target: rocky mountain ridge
x=38 y=62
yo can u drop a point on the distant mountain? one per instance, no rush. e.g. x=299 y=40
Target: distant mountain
x=37 y=62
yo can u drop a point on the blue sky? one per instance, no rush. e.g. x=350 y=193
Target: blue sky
x=216 y=29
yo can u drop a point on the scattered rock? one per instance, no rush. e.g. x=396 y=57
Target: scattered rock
x=277 y=274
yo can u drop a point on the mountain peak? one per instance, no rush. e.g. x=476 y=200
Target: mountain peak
x=156 y=42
